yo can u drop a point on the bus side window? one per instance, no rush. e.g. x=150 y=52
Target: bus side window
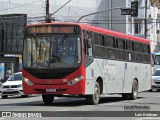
x=147 y=55
x=88 y=36
x=130 y=55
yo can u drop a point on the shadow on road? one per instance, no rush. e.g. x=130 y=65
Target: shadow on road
x=62 y=102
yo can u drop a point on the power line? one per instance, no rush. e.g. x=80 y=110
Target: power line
x=8 y=20
x=60 y=8
x=97 y=13
x=19 y=6
x=95 y=22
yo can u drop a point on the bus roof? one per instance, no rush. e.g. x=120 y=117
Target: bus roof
x=97 y=29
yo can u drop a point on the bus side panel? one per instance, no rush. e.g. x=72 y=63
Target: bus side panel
x=146 y=74
x=131 y=72
x=114 y=76
x=110 y=71
x=138 y=71
x=93 y=71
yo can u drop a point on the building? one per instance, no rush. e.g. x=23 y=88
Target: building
x=154 y=25
x=156 y=5
x=145 y=25
x=111 y=19
x=158 y=31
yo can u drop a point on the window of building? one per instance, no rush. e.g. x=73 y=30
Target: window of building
x=138 y=27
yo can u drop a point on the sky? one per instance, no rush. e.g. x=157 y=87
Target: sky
x=73 y=10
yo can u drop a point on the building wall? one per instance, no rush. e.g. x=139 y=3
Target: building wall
x=156 y=4
x=153 y=29
x=154 y=26
x=119 y=21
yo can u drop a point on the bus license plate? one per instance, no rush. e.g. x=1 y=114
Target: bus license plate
x=50 y=90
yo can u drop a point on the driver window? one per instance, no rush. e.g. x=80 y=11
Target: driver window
x=88 y=37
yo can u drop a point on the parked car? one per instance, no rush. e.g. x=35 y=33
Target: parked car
x=13 y=86
x=156 y=80
x=2 y=81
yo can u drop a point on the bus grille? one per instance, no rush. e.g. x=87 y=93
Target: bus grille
x=50 y=75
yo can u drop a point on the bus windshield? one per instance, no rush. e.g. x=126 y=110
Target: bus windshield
x=58 y=51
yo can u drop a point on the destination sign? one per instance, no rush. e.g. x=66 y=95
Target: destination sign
x=52 y=29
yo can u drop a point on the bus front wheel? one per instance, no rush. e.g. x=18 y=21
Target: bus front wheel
x=94 y=99
x=47 y=99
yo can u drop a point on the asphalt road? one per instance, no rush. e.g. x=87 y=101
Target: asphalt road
x=71 y=107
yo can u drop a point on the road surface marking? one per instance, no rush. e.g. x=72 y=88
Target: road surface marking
x=103 y=104
x=2 y=118
x=64 y=110
x=149 y=118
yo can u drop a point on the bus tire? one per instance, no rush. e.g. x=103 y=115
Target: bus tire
x=134 y=94
x=47 y=99
x=94 y=99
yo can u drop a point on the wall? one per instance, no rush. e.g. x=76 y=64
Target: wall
x=119 y=21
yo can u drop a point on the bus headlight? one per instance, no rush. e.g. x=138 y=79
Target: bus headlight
x=74 y=81
x=28 y=82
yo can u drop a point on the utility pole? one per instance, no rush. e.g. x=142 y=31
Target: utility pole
x=145 y=20
x=47 y=12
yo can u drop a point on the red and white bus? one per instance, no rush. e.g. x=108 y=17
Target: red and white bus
x=81 y=60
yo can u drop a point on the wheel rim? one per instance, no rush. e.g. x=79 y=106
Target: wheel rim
x=135 y=90
x=96 y=93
